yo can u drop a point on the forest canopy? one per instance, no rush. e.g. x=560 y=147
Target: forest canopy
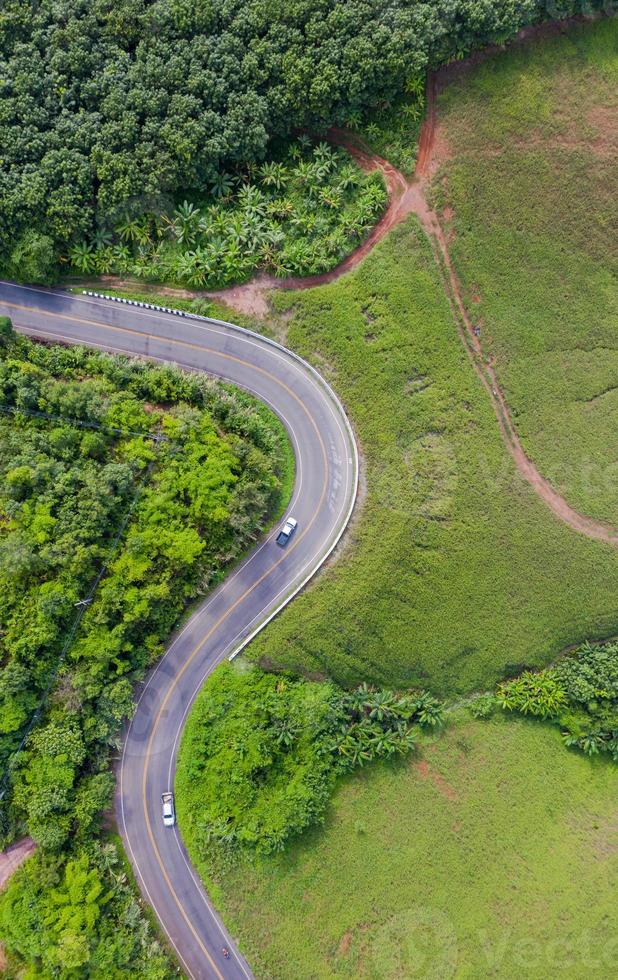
x=113 y=108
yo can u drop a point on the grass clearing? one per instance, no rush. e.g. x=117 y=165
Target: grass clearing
x=531 y=187
x=457 y=574
x=478 y=860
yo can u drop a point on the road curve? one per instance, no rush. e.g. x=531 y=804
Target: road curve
x=322 y=501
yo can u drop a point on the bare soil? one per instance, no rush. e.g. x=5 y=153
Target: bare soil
x=14 y=855
x=445 y=789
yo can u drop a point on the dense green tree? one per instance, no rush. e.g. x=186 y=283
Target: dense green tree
x=108 y=110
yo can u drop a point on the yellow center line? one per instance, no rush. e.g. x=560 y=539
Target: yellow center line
x=204 y=640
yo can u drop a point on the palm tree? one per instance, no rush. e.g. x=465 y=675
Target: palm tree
x=330 y=197
x=251 y=199
x=184 y=267
x=323 y=154
x=303 y=172
x=130 y=229
x=431 y=715
x=122 y=255
x=591 y=743
x=415 y=86
x=273 y=175
x=354 y=119
x=186 y=223
x=222 y=186
x=105 y=261
x=348 y=177
x=82 y=257
x=101 y=239
x=281 y=207
x=304 y=142
x=381 y=705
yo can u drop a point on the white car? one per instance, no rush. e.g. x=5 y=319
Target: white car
x=286 y=532
x=167 y=806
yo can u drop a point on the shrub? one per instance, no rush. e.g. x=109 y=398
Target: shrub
x=535 y=694
x=483 y=706
x=579 y=693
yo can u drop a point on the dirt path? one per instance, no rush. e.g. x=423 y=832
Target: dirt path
x=14 y=855
x=428 y=164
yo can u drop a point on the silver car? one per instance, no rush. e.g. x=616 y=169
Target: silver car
x=167 y=806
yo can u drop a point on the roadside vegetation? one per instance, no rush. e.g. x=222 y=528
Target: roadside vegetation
x=530 y=183
x=79 y=917
x=384 y=890
x=131 y=487
x=296 y=216
x=261 y=753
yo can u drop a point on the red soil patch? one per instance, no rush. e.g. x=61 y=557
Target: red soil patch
x=426 y=772
x=345 y=943
x=14 y=855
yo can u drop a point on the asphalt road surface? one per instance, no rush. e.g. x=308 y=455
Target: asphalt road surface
x=323 y=497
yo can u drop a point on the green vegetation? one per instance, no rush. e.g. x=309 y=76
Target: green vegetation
x=393 y=130
x=134 y=487
x=494 y=854
x=70 y=482
x=261 y=752
x=580 y=694
x=456 y=575
x=116 y=110
x=79 y=918
x=531 y=180
x=296 y=217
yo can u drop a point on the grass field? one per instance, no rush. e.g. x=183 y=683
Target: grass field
x=455 y=573
x=493 y=854
x=531 y=183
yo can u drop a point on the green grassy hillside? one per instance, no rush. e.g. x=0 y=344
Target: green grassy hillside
x=531 y=183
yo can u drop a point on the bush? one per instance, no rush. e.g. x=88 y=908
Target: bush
x=77 y=916
x=483 y=706
x=261 y=752
x=533 y=694
x=579 y=693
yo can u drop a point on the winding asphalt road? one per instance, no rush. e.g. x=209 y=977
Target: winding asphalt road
x=323 y=498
